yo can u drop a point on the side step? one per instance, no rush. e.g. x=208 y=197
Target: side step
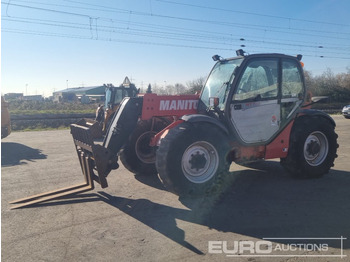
x=91 y=157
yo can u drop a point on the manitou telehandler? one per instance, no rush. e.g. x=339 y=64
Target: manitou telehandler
x=252 y=107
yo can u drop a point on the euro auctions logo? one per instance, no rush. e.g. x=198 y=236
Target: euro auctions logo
x=280 y=247
x=240 y=247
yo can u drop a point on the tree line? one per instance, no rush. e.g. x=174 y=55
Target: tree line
x=191 y=87
x=335 y=86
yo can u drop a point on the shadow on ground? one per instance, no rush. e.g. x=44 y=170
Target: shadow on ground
x=13 y=154
x=152 y=181
x=262 y=203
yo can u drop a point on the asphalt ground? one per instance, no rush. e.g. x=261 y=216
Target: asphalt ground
x=135 y=219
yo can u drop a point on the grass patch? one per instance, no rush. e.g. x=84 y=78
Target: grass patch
x=48 y=107
x=36 y=112
x=41 y=128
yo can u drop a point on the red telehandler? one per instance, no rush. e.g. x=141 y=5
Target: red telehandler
x=252 y=107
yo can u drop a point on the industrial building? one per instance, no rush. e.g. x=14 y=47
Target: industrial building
x=84 y=94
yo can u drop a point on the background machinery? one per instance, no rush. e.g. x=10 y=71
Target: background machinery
x=5 y=119
x=252 y=107
x=114 y=96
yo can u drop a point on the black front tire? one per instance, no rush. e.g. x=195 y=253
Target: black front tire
x=137 y=156
x=313 y=148
x=192 y=160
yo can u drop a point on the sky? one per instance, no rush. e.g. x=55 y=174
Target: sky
x=51 y=45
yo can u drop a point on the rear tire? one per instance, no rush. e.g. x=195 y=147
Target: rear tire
x=192 y=160
x=137 y=156
x=313 y=148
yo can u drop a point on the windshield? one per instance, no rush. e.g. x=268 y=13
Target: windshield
x=119 y=95
x=108 y=97
x=219 y=80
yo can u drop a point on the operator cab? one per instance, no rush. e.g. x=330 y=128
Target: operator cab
x=114 y=95
x=257 y=95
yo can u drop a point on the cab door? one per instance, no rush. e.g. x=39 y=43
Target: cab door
x=255 y=111
x=292 y=89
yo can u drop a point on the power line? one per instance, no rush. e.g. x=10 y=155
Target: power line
x=44 y=9
x=251 y=13
x=245 y=25
x=10 y=30
x=173 y=33
x=208 y=39
x=29 y=32
x=277 y=29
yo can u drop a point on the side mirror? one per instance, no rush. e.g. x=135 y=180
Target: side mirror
x=213 y=102
x=319 y=99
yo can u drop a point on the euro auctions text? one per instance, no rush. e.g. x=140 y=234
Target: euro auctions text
x=279 y=247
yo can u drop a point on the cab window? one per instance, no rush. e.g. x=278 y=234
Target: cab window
x=259 y=81
x=292 y=86
x=292 y=89
x=118 y=96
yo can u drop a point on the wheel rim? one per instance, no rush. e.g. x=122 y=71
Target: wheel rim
x=143 y=150
x=316 y=148
x=200 y=162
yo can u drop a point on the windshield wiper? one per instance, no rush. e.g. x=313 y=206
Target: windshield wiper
x=220 y=90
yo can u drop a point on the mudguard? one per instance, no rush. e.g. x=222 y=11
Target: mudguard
x=314 y=112
x=196 y=118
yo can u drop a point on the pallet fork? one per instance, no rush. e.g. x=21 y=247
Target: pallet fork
x=92 y=157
